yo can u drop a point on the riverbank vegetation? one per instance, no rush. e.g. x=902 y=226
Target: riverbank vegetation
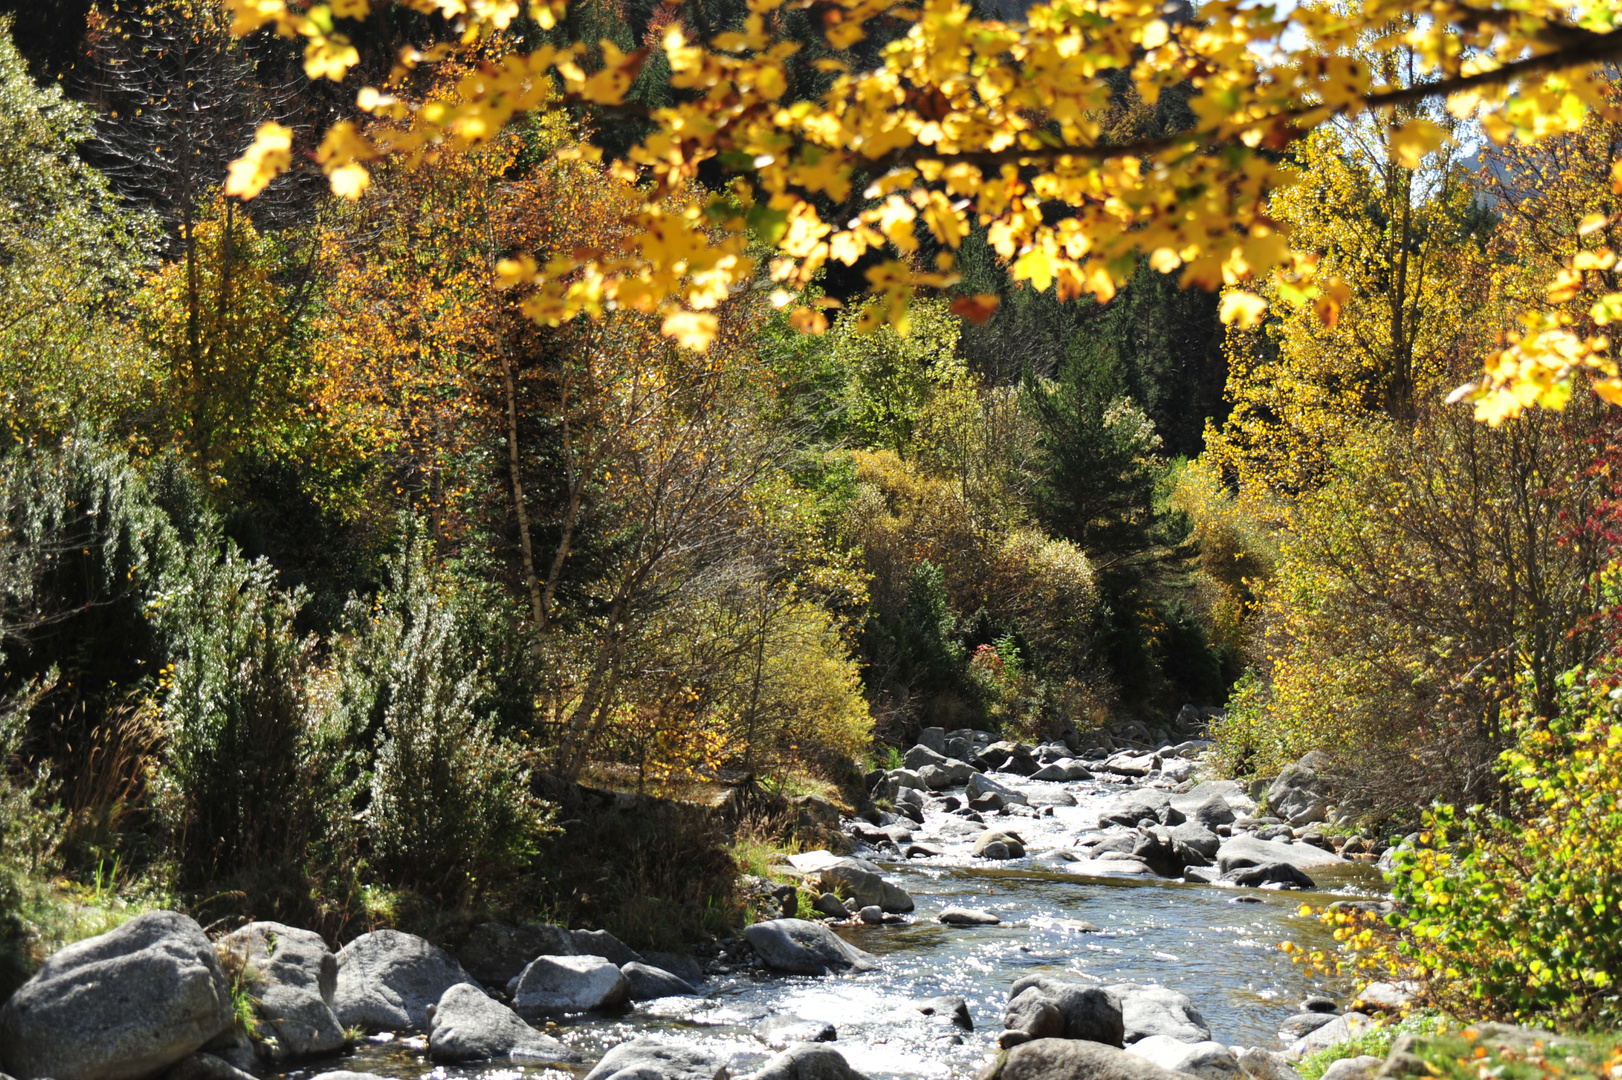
x=367 y=516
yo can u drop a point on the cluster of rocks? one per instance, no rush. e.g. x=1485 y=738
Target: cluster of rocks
x=1060 y=1029
x=155 y=997
x=1166 y=823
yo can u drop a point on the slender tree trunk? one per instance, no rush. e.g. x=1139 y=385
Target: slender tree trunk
x=510 y=382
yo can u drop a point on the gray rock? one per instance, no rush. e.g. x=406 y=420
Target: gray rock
x=1207 y=1060
x=126 y=1004
x=1384 y=997
x=830 y=905
x=905 y=780
x=1013 y=846
x=1303 y=1024
x=649 y=1059
x=201 y=1066
x=778 y=1032
x=860 y=881
x=1262 y=1064
x=293 y=979
x=1051 y=1008
x=565 y=984
x=1299 y=795
x=1238 y=851
x=952 y=1010
x=682 y=966
x=808 y=1061
x=980 y=785
x=872 y=915
x=1276 y=873
x=1049 y=797
x=957 y=916
x=1130 y=809
x=1353 y=1068
x=1157 y=1010
x=1197 y=838
x=806 y=948
x=468 y=1025
x=1066 y=769
x=387 y=980
x=1074 y=1059
x=920 y=756
x=934 y=738
x=1339 y=1030
x=495 y=953
x=602 y=943
x=1211 y=811
x=648 y=982
x=1163 y=853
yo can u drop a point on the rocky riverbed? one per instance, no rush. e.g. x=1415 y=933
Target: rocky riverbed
x=1052 y=902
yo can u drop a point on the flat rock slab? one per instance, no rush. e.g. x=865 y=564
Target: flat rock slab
x=125 y=1004
x=566 y=984
x=808 y=1061
x=806 y=948
x=1240 y=851
x=649 y=1059
x=1159 y=1010
x=1074 y=1059
x=1207 y=1060
x=956 y=916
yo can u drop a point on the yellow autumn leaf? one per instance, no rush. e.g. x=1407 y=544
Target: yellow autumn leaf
x=1037 y=267
x=269 y=155
x=1244 y=308
x=351 y=9
x=1411 y=141
x=329 y=57
x=690 y=329
x=350 y=181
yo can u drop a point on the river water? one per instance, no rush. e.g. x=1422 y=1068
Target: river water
x=1219 y=946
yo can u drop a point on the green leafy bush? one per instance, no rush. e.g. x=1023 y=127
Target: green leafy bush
x=446 y=797
x=1515 y=912
x=234 y=713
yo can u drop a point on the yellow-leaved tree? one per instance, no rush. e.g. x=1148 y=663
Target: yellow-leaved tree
x=955 y=119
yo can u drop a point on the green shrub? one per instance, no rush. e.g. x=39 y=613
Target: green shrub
x=1515 y=913
x=447 y=805
x=233 y=707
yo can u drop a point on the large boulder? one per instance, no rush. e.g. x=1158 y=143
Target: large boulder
x=566 y=984
x=387 y=980
x=981 y=785
x=861 y=881
x=937 y=770
x=1275 y=873
x=806 y=948
x=293 y=979
x=808 y=1061
x=934 y=738
x=1239 y=851
x=1197 y=838
x=1163 y=853
x=1158 y=1010
x=495 y=953
x=1051 y=1008
x=468 y=1025
x=1074 y=1059
x=649 y=1059
x=602 y=943
x=1206 y=1060
x=1300 y=795
x=126 y=1004
x=648 y=982
x=681 y=965
x=1341 y=1029
x=1138 y=806
x=997 y=844
x=947 y=1010
x=1065 y=769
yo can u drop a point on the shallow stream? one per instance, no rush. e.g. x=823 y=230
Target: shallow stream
x=1217 y=945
